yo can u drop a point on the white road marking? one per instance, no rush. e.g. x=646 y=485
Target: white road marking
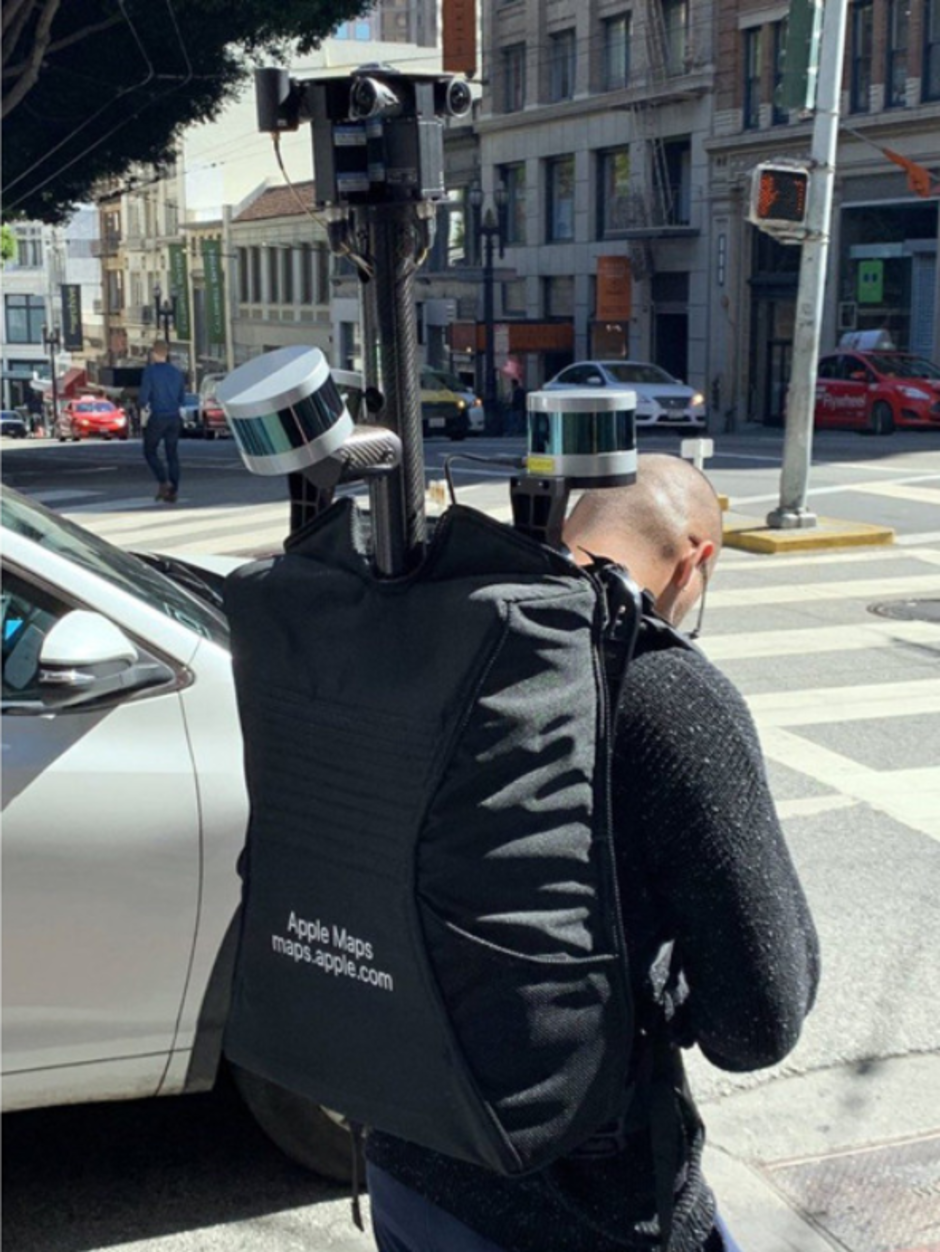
x=914 y=585
x=812 y=641
x=911 y=796
x=62 y=493
x=812 y=806
x=870 y=701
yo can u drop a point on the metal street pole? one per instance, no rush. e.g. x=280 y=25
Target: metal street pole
x=488 y=230
x=792 y=512
x=51 y=340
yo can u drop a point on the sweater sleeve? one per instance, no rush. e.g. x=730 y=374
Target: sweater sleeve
x=690 y=784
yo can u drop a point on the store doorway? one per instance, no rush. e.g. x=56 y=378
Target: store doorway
x=671 y=343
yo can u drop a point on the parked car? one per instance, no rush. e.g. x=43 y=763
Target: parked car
x=12 y=424
x=433 y=378
x=661 y=399
x=91 y=415
x=125 y=812
x=211 y=417
x=875 y=392
x=189 y=414
x=443 y=412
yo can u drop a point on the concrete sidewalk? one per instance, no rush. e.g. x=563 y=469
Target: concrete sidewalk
x=845 y=1158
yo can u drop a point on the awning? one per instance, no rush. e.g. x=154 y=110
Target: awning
x=72 y=382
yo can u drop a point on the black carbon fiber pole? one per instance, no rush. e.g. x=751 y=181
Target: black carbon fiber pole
x=395 y=249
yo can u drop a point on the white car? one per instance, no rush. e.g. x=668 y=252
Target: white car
x=124 y=815
x=661 y=399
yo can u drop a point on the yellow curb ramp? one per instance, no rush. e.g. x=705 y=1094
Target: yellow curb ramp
x=752 y=534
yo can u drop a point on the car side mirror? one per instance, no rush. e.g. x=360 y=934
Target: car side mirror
x=85 y=657
x=594 y=380
x=858 y=376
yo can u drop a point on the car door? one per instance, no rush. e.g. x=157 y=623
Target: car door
x=101 y=871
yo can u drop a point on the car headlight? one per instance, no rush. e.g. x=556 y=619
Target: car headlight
x=461 y=404
x=121 y=419
x=698 y=400
x=914 y=393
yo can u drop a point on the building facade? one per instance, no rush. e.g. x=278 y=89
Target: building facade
x=882 y=269
x=594 y=123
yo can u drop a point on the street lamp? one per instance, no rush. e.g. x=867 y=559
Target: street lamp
x=490 y=229
x=53 y=341
x=165 y=310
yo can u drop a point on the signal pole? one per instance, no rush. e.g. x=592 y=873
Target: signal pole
x=792 y=512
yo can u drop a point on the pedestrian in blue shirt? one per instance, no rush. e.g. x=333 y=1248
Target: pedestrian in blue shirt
x=162 y=391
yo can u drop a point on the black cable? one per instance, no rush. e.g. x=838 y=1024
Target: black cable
x=511 y=462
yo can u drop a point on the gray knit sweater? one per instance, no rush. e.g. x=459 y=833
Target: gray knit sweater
x=703 y=867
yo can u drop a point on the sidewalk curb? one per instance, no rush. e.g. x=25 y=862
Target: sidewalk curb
x=757 y=1215
x=750 y=534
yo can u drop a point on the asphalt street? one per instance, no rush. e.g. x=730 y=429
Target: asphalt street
x=838 y=1147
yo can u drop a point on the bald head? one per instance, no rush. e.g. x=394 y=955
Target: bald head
x=663 y=528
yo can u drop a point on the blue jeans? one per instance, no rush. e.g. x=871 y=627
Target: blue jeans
x=165 y=430
x=403 y=1221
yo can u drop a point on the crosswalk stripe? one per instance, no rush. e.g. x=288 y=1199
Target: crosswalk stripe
x=57 y=494
x=896 y=491
x=820 y=705
x=894 y=588
x=911 y=797
x=812 y=640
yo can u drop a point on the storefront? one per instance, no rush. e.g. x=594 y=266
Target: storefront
x=888 y=272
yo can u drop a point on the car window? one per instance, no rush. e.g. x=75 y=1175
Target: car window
x=577 y=374
x=828 y=368
x=639 y=372
x=28 y=614
x=120 y=569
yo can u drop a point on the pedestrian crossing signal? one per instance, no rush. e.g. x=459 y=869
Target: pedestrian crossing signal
x=779 y=198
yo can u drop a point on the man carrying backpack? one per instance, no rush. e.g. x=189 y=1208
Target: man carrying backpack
x=722 y=948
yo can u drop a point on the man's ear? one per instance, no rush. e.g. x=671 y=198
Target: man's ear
x=683 y=570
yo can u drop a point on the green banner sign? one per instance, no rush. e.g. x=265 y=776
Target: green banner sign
x=215 y=290
x=179 y=287
x=72 y=339
x=871 y=282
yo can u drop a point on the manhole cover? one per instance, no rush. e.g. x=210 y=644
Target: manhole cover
x=908 y=610
x=875 y=1200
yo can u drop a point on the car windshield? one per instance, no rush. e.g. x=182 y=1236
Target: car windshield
x=439 y=378
x=94 y=408
x=904 y=366
x=121 y=569
x=635 y=372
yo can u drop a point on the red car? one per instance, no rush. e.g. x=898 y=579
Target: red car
x=876 y=391
x=90 y=415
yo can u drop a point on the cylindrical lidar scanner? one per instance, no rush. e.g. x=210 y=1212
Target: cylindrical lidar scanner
x=584 y=436
x=285 y=411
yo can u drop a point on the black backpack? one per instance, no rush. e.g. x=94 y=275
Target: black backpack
x=431 y=940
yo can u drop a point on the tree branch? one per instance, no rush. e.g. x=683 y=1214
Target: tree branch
x=12 y=10
x=17 y=25
x=34 y=63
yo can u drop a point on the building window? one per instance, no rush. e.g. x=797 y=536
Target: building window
x=559 y=296
x=751 y=102
x=896 y=53
x=562 y=65
x=617 y=52
x=860 y=90
x=613 y=192
x=513 y=179
x=244 y=291
x=514 y=297
x=287 y=276
x=676 y=28
x=254 y=293
x=781 y=114
x=322 y=259
x=930 y=89
x=28 y=247
x=513 y=62
x=115 y=290
x=273 y=296
x=673 y=167
x=560 y=200
x=25 y=318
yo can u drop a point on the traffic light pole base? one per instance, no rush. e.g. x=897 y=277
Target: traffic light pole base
x=791 y=519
